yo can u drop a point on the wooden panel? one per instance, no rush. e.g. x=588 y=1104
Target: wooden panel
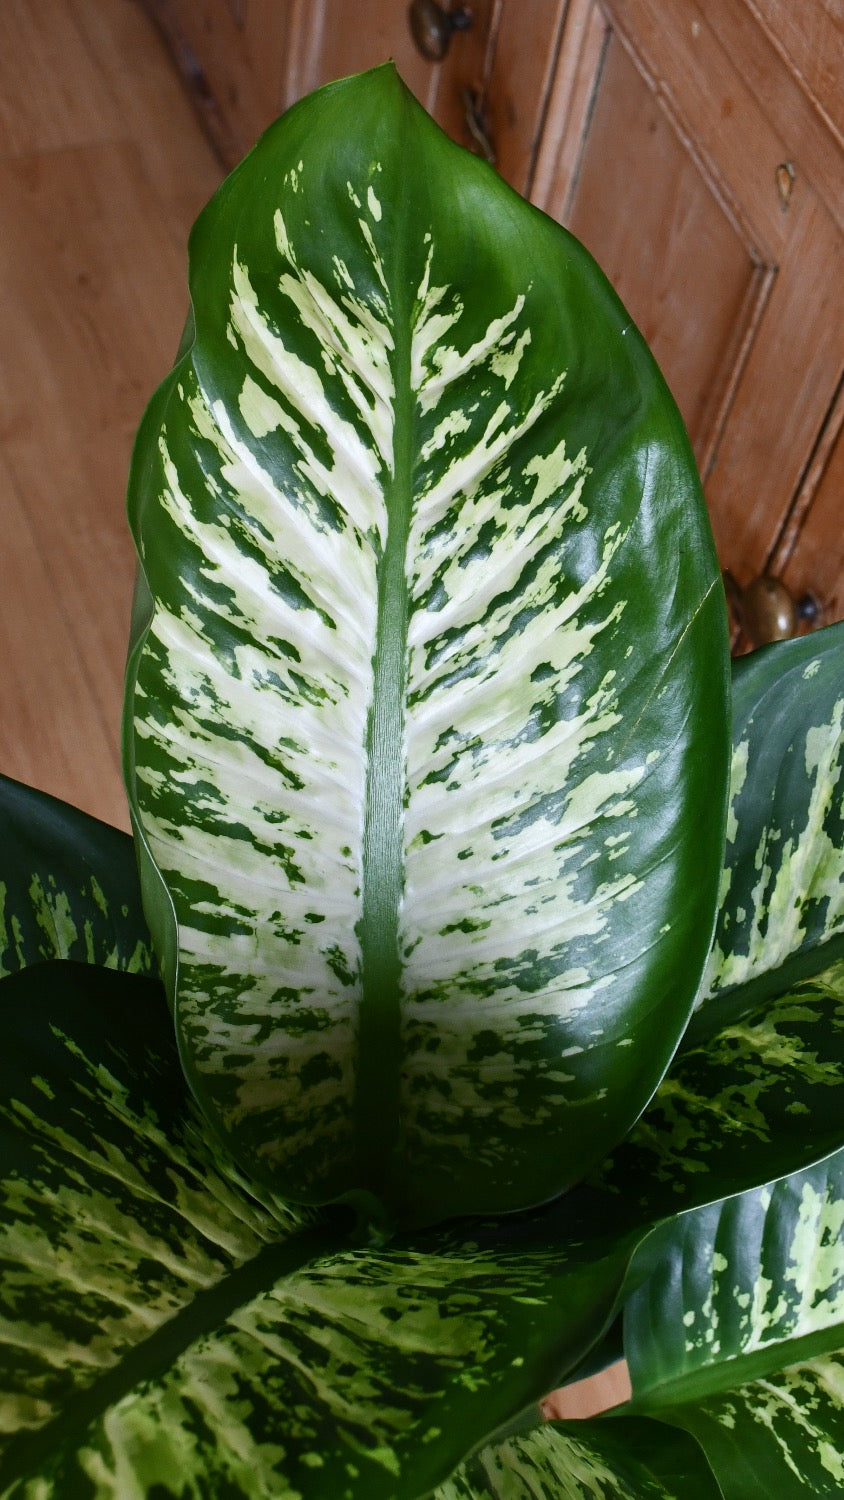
x=743 y=111
x=154 y=109
x=696 y=183
x=94 y=301
x=810 y=557
x=519 y=85
x=52 y=733
x=672 y=235
x=810 y=38
x=781 y=400
x=234 y=61
x=464 y=74
x=583 y=49
x=52 y=93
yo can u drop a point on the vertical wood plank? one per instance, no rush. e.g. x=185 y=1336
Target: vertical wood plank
x=517 y=92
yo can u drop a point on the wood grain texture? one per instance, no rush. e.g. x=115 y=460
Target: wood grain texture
x=805 y=559
x=674 y=235
x=707 y=181
x=51 y=731
x=102 y=169
x=811 y=38
x=52 y=92
x=520 y=82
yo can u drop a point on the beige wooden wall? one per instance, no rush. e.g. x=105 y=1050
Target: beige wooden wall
x=103 y=168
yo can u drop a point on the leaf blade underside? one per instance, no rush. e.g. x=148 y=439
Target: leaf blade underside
x=409 y=725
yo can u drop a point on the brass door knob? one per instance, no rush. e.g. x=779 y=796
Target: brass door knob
x=766 y=611
x=432 y=27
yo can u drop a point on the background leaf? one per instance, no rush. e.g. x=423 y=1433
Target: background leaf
x=739 y=1289
x=782 y=898
x=427 y=732
x=166 y=1323
x=68 y=887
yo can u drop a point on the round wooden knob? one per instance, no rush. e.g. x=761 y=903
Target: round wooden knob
x=432 y=27
x=768 y=611
x=765 y=611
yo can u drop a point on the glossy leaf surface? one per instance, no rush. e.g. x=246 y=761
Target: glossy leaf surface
x=741 y=1288
x=781 y=1436
x=426 y=731
x=782 y=899
x=168 y=1333
x=621 y=1459
x=68 y=887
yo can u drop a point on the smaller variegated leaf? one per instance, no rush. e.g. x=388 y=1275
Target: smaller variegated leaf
x=739 y=1289
x=782 y=1436
x=622 y=1459
x=782 y=896
x=68 y=887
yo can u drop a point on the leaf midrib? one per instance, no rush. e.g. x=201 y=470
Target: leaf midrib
x=377 y=1101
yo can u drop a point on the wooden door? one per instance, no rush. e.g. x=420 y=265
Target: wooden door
x=697 y=151
x=247 y=60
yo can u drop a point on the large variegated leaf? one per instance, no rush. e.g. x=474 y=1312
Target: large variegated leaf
x=426 y=730
x=68 y=887
x=740 y=1288
x=782 y=896
x=622 y=1459
x=168 y=1333
x=782 y=1436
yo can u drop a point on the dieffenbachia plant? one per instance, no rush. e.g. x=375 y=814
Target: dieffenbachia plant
x=428 y=762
